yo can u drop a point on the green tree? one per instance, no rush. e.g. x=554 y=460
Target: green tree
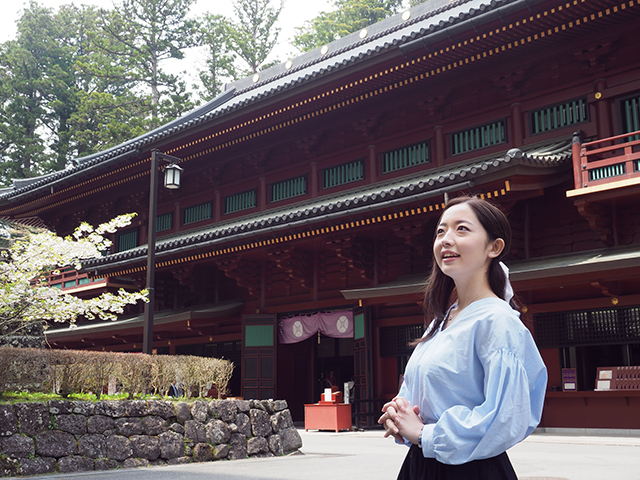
x=220 y=59
x=139 y=35
x=348 y=17
x=254 y=34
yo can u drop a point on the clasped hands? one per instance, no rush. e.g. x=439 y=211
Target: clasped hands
x=401 y=420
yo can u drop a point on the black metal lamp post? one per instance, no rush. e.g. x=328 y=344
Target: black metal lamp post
x=172 y=174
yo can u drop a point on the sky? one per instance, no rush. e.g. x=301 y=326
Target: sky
x=294 y=14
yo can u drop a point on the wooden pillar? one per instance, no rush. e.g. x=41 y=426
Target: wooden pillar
x=439 y=149
x=372 y=164
x=177 y=218
x=603 y=117
x=517 y=127
x=313 y=180
x=217 y=206
x=262 y=194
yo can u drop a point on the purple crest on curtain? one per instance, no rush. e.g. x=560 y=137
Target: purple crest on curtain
x=299 y=328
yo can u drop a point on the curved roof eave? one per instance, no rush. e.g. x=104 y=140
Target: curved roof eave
x=396 y=191
x=433 y=18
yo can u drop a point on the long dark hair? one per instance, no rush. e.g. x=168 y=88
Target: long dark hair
x=439 y=287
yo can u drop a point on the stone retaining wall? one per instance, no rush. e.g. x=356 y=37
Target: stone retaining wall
x=72 y=436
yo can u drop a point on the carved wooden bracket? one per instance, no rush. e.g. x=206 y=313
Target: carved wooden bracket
x=515 y=83
x=359 y=254
x=184 y=275
x=258 y=161
x=247 y=274
x=597 y=57
x=600 y=220
x=368 y=126
x=296 y=263
x=413 y=234
x=610 y=289
x=309 y=143
x=436 y=107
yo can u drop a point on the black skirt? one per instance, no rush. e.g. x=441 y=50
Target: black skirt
x=416 y=467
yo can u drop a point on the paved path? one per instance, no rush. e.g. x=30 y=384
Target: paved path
x=366 y=455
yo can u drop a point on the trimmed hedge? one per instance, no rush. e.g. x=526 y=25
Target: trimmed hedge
x=82 y=371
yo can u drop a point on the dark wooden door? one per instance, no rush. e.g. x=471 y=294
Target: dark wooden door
x=259 y=356
x=363 y=404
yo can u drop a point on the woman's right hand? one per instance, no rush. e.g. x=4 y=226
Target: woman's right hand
x=392 y=413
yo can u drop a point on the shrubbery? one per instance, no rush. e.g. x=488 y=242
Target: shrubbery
x=80 y=371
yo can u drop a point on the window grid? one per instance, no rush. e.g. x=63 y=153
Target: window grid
x=197 y=213
x=631 y=118
x=479 y=137
x=405 y=157
x=342 y=174
x=559 y=116
x=240 y=201
x=164 y=222
x=293 y=187
x=127 y=240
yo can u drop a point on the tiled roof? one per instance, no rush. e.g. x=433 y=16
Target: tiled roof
x=400 y=190
x=428 y=19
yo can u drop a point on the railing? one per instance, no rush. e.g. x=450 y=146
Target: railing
x=68 y=278
x=606 y=160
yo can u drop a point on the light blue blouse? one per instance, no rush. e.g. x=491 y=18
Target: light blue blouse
x=480 y=384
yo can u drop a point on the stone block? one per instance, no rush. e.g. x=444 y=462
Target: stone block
x=171 y=445
x=221 y=451
x=243 y=405
x=84 y=408
x=244 y=424
x=92 y=446
x=291 y=440
x=280 y=405
x=218 y=432
x=37 y=466
x=135 y=408
x=145 y=447
x=281 y=420
x=176 y=427
x=162 y=408
x=100 y=424
x=56 y=444
x=135 y=463
x=105 y=464
x=275 y=445
x=17 y=446
x=118 y=447
x=60 y=407
x=33 y=418
x=75 y=464
x=199 y=410
x=194 y=430
x=9 y=467
x=260 y=423
x=268 y=406
x=237 y=447
x=179 y=461
x=154 y=425
x=257 y=445
x=74 y=424
x=129 y=426
x=202 y=452
x=227 y=410
x=8 y=421
x=183 y=412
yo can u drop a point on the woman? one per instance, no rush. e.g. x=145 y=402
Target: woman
x=475 y=383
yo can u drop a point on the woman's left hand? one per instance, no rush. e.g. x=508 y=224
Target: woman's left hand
x=401 y=420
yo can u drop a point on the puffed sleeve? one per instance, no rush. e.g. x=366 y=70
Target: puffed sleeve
x=511 y=410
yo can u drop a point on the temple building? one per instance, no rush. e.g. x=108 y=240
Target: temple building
x=300 y=238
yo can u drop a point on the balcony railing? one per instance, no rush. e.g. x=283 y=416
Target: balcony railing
x=69 y=278
x=607 y=160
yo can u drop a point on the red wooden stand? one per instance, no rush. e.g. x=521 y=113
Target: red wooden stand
x=327 y=416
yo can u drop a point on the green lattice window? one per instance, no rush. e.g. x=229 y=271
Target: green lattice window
x=631 y=118
x=293 y=187
x=164 y=222
x=559 y=116
x=405 y=157
x=607 y=172
x=240 y=201
x=127 y=240
x=341 y=174
x=197 y=213
x=478 y=137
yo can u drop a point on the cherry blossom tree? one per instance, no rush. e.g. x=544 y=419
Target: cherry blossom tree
x=26 y=299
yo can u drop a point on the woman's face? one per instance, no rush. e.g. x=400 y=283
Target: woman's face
x=462 y=248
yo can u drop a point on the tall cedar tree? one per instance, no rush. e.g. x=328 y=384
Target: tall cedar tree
x=348 y=17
